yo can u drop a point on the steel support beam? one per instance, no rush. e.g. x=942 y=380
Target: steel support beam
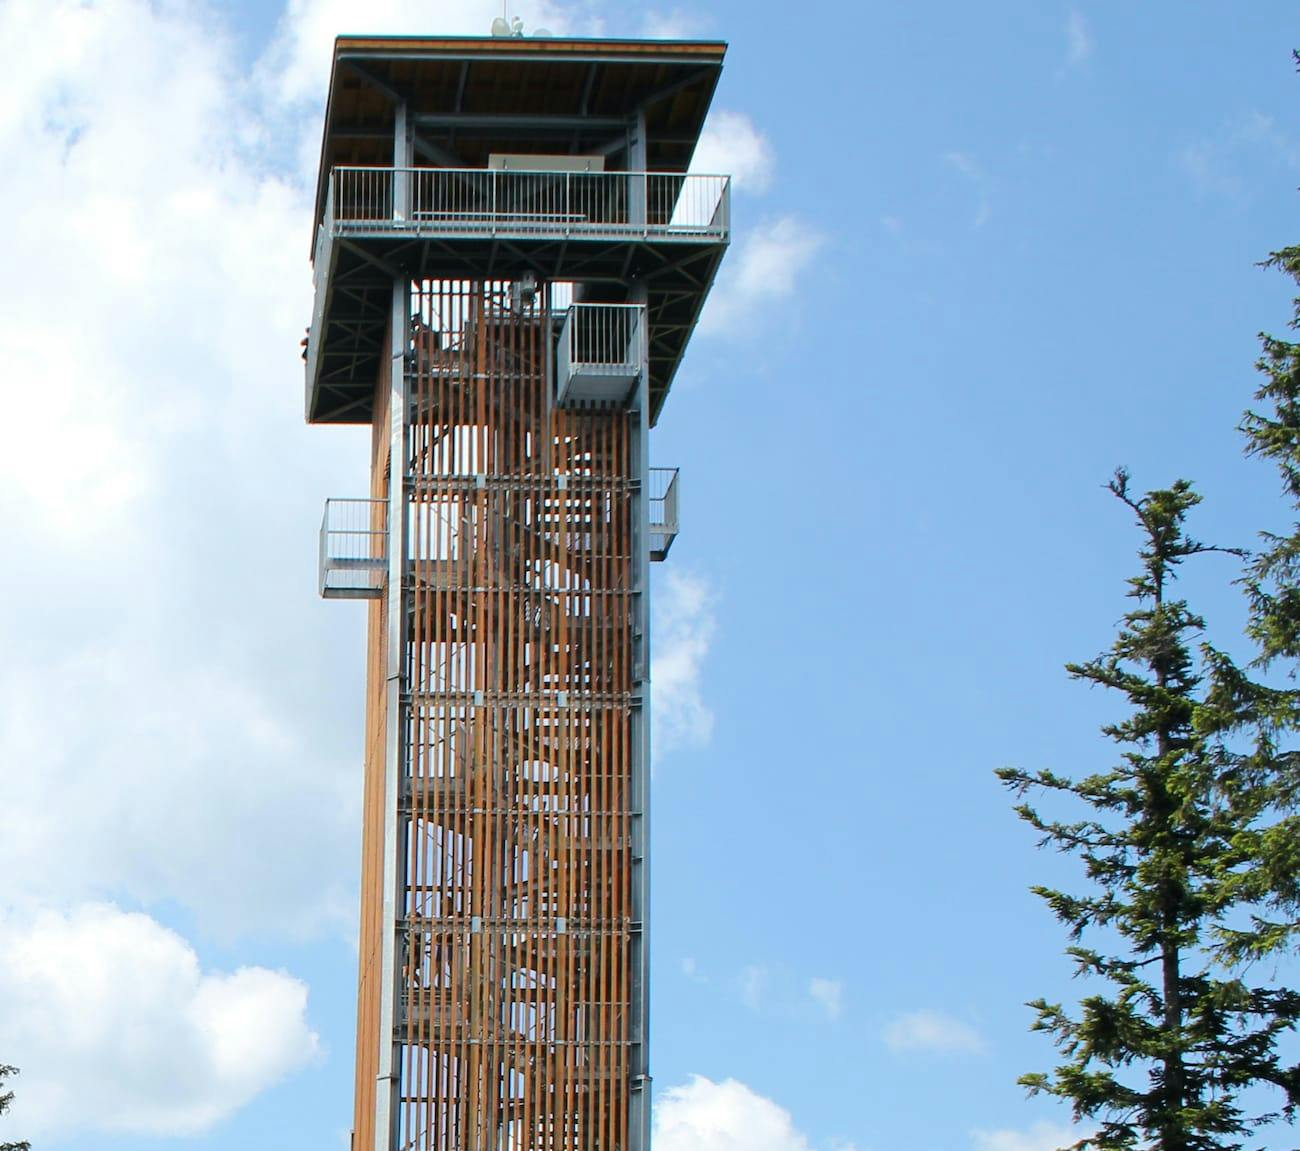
x=401 y=178
x=639 y=1120
x=388 y=1086
x=515 y=125
x=640 y=1103
x=392 y=961
x=375 y=82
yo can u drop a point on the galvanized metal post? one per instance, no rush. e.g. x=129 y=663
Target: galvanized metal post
x=636 y=163
x=392 y=960
x=639 y=1126
x=402 y=158
x=639 y=1119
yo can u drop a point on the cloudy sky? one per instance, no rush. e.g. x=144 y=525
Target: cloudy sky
x=983 y=254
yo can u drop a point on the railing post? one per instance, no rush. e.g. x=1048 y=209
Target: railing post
x=323 y=562
x=638 y=190
x=401 y=190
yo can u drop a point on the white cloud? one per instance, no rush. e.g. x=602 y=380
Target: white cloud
x=765 y=265
x=932 y=1031
x=763 y=271
x=155 y=295
x=165 y=732
x=1040 y=1137
x=683 y=631
x=195 y=792
x=691 y=969
x=1078 y=39
x=706 y=1116
x=106 y=235
x=117 y=1028
x=828 y=994
x=730 y=145
x=766 y=262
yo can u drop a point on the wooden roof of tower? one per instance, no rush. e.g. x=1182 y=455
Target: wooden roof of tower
x=471 y=96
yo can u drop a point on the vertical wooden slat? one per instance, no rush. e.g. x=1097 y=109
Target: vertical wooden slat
x=516 y=1036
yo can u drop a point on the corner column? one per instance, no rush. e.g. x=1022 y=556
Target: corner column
x=639 y=1119
x=392 y=958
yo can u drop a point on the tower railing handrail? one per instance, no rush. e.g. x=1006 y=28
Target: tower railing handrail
x=517 y=202
x=602 y=337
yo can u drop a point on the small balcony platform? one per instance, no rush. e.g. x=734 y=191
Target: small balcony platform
x=663 y=512
x=600 y=355
x=354 y=549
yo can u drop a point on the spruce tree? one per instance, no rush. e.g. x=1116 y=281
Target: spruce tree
x=1270 y=874
x=1160 y=1055
x=1273 y=577
x=6 y=1098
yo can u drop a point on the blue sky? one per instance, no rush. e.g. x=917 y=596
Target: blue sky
x=983 y=255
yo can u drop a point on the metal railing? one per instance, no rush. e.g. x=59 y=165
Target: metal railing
x=354 y=549
x=663 y=496
x=495 y=202
x=600 y=354
x=603 y=338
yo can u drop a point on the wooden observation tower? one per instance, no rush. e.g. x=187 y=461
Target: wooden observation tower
x=510 y=257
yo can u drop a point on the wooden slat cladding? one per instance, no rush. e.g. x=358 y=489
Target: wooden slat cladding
x=515 y=1010
x=369 y=982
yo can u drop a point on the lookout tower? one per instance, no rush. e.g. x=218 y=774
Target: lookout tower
x=510 y=257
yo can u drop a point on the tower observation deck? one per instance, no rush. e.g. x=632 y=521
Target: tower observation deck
x=510 y=256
